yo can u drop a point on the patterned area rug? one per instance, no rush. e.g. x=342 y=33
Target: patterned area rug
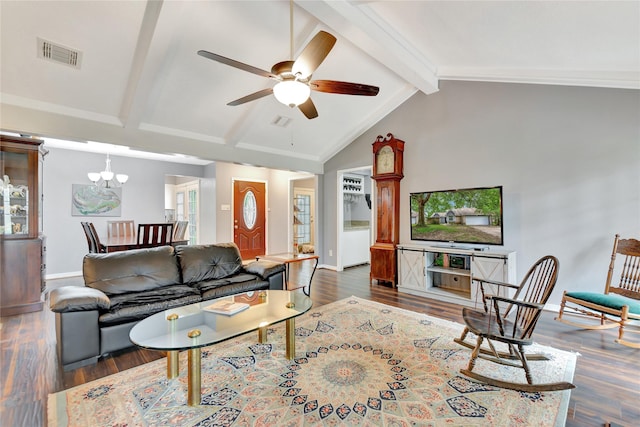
x=358 y=363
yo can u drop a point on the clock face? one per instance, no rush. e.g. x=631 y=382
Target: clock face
x=385 y=160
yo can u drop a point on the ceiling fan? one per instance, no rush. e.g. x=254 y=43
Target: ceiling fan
x=294 y=77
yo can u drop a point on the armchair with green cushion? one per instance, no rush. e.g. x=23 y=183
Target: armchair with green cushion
x=618 y=304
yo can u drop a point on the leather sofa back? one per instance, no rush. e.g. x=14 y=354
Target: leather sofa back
x=131 y=271
x=208 y=262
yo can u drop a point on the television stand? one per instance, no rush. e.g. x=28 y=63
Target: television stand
x=464 y=248
x=448 y=273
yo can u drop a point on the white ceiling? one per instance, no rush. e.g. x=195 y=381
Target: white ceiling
x=141 y=83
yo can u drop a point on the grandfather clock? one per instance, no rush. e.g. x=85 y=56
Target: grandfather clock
x=387 y=172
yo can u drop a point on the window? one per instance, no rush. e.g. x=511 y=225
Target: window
x=249 y=209
x=302 y=208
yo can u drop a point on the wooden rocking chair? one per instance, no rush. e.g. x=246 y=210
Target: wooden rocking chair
x=511 y=321
x=621 y=300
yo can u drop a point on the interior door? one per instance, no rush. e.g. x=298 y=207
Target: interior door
x=303 y=211
x=249 y=213
x=186 y=204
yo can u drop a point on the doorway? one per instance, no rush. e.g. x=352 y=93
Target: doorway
x=303 y=219
x=182 y=199
x=249 y=218
x=355 y=217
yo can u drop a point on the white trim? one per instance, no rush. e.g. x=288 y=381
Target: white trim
x=551 y=307
x=63 y=275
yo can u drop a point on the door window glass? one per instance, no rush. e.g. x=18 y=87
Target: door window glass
x=249 y=212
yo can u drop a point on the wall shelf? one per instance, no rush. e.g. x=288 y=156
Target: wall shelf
x=352 y=184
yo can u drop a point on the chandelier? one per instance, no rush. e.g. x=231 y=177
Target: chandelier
x=106 y=176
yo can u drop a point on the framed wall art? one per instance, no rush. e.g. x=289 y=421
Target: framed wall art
x=94 y=200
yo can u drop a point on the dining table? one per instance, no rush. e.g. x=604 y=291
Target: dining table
x=125 y=243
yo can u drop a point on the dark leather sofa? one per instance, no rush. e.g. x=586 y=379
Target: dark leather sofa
x=122 y=288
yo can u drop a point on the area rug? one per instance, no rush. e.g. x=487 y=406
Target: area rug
x=357 y=363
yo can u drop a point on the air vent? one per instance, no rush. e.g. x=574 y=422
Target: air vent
x=58 y=53
x=281 y=121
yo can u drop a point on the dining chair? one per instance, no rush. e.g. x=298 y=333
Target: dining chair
x=180 y=230
x=122 y=228
x=151 y=235
x=93 y=240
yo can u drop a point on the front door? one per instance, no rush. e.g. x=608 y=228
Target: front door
x=249 y=209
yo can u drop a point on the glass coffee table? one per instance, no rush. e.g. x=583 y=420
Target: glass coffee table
x=192 y=327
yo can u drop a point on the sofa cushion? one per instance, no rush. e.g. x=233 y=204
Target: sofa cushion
x=236 y=287
x=208 y=262
x=121 y=301
x=131 y=271
x=206 y=285
x=138 y=305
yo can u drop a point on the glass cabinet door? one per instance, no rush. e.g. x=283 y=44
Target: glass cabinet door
x=18 y=193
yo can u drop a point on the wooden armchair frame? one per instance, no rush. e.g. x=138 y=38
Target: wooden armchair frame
x=618 y=304
x=511 y=321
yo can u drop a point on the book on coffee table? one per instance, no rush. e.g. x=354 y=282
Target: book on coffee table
x=226 y=307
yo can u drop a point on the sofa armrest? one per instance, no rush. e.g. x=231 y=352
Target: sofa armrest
x=77 y=298
x=264 y=268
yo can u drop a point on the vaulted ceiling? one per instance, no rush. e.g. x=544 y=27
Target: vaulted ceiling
x=140 y=82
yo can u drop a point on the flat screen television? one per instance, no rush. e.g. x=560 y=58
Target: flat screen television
x=469 y=215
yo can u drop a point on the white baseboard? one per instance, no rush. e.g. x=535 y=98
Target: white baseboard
x=328 y=267
x=63 y=275
x=552 y=307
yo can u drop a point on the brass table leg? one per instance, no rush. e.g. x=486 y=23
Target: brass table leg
x=194 y=388
x=172 y=364
x=291 y=338
x=262 y=335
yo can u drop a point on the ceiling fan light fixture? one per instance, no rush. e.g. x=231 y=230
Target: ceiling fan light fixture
x=291 y=92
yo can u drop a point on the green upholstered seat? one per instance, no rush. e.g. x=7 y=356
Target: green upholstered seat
x=613 y=301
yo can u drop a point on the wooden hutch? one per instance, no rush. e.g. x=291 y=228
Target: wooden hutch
x=22 y=248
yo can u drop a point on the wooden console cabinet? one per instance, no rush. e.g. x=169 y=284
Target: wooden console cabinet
x=448 y=273
x=22 y=248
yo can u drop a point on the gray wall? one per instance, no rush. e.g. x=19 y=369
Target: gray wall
x=208 y=217
x=142 y=200
x=567 y=157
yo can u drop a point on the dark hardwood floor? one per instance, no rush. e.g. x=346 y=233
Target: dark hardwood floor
x=607 y=376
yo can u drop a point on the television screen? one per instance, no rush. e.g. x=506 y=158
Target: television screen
x=470 y=215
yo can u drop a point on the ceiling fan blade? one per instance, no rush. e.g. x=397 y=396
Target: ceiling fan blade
x=345 y=88
x=256 y=95
x=236 y=64
x=313 y=54
x=308 y=109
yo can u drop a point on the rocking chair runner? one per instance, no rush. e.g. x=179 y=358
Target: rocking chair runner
x=511 y=321
x=621 y=300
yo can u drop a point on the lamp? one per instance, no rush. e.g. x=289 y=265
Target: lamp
x=291 y=92
x=107 y=175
